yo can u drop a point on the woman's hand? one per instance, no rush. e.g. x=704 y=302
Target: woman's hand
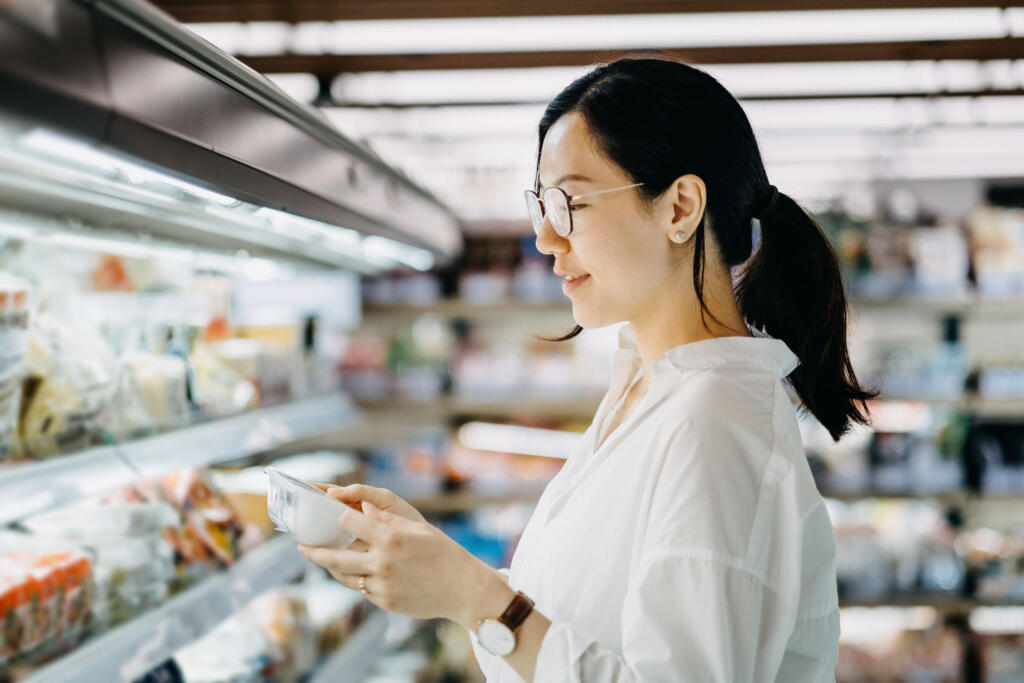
x=353 y=495
x=410 y=566
x=382 y=499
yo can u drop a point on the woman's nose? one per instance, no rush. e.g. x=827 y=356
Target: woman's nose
x=550 y=242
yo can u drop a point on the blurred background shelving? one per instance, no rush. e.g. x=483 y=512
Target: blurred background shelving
x=343 y=282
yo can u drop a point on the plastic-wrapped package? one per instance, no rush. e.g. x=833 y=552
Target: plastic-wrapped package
x=223 y=377
x=45 y=598
x=71 y=380
x=132 y=563
x=159 y=382
x=305 y=512
x=282 y=616
x=14 y=318
x=213 y=533
x=234 y=652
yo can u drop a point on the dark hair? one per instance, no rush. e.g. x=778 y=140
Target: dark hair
x=643 y=114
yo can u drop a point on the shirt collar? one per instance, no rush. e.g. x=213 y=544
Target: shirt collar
x=761 y=349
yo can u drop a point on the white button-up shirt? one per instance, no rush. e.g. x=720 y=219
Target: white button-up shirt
x=693 y=544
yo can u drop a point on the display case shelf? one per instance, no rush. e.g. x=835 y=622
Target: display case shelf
x=571 y=406
x=356 y=657
x=946 y=604
x=30 y=488
x=133 y=648
x=458 y=308
x=465 y=501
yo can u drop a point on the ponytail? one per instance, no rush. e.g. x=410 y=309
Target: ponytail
x=792 y=289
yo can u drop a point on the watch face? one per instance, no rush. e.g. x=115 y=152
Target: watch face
x=496 y=638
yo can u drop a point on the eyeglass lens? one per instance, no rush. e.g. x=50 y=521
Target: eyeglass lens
x=555 y=204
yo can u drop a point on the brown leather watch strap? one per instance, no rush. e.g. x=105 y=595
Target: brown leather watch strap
x=517 y=611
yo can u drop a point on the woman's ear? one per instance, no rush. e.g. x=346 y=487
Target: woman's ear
x=686 y=197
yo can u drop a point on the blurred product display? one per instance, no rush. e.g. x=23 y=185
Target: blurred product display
x=333 y=277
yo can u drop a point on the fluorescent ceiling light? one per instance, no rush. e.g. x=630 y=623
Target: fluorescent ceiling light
x=626 y=31
x=548 y=443
x=997 y=620
x=300 y=87
x=742 y=80
x=867 y=625
x=385 y=250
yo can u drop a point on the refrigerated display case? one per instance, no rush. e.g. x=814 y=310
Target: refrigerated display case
x=180 y=248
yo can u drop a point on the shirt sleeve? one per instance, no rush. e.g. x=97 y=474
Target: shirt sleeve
x=689 y=616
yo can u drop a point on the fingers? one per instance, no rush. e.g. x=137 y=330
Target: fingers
x=339 y=561
x=373 y=531
x=357 y=493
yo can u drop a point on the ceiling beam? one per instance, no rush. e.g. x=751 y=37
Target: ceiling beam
x=990 y=92
x=339 y=10
x=979 y=48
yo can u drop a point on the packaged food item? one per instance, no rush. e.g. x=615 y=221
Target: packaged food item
x=132 y=563
x=305 y=512
x=246 y=489
x=212 y=534
x=70 y=381
x=14 y=318
x=223 y=377
x=160 y=383
x=282 y=616
x=45 y=600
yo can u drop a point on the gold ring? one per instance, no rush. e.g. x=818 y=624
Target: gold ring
x=362 y=586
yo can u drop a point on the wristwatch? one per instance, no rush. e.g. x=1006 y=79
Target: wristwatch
x=498 y=636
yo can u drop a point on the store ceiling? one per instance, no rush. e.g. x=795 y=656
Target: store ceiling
x=841 y=99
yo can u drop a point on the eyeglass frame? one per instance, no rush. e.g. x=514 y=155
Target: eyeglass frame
x=569 y=199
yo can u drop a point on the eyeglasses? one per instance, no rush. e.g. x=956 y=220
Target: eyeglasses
x=556 y=205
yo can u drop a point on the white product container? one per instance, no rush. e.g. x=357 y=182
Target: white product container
x=305 y=512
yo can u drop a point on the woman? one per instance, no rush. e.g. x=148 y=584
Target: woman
x=684 y=539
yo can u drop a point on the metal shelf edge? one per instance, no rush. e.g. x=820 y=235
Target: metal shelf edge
x=62 y=480
x=133 y=648
x=356 y=656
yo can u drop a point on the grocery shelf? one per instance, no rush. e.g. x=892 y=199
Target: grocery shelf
x=133 y=648
x=457 y=308
x=355 y=658
x=30 y=488
x=944 y=603
x=968 y=304
x=982 y=406
x=957 y=495
x=581 y=406
x=465 y=501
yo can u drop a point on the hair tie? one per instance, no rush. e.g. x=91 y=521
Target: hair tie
x=770 y=205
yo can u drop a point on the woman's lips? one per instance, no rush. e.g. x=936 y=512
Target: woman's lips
x=572 y=285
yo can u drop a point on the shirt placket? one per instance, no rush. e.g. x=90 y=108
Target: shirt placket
x=594 y=459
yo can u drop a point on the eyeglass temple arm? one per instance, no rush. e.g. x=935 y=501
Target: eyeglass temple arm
x=600 y=192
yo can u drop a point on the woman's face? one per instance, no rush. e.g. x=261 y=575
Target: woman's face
x=617 y=241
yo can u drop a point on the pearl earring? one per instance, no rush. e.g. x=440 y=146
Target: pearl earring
x=680 y=237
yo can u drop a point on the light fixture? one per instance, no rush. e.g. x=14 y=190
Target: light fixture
x=996 y=620
x=623 y=31
x=43 y=163
x=548 y=443
x=59 y=147
x=62 y=234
